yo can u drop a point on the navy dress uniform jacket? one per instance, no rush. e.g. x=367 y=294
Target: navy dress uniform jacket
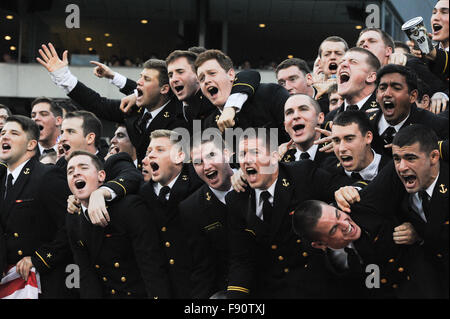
x=271 y=261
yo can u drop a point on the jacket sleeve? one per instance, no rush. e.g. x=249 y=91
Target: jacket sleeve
x=242 y=249
x=247 y=82
x=129 y=87
x=53 y=196
x=91 y=101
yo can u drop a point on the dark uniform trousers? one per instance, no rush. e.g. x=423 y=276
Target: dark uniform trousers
x=268 y=260
x=171 y=229
x=427 y=262
x=122 y=260
x=205 y=221
x=32 y=218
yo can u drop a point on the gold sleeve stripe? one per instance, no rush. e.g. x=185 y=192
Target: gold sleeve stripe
x=440 y=149
x=326 y=125
x=446 y=62
x=4 y=164
x=250 y=231
x=246 y=85
x=42 y=259
x=361 y=182
x=120 y=186
x=236 y=288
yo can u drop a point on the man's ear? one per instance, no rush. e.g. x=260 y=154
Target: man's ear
x=59 y=120
x=309 y=79
x=319 y=245
x=231 y=74
x=32 y=144
x=90 y=138
x=164 y=89
x=371 y=77
x=101 y=176
x=413 y=96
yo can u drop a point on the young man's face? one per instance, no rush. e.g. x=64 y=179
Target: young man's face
x=293 y=80
x=332 y=53
x=301 y=119
x=182 y=79
x=14 y=143
x=149 y=91
x=439 y=22
x=215 y=82
x=354 y=74
x=121 y=142
x=3 y=117
x=336 y=228
x=259 y=165
x=83 y=177
x=414 y=167
x=372 y=41
x=211 y=165
x=335 y=101
x=351 y=147
x=394 y=98
x=47 y=122
x=164 y=159
x=72 y=136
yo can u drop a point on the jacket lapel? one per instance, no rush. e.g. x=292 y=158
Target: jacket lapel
x=284 y=189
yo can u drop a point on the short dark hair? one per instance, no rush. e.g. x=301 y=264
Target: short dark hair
x=399 y=44
x=197 y=50
x=387 y=39
x=314 y=102
x=265 y=134
x=95 y=159
x=189 y=55
x=65 y=104
x=414 y=133
x=8 y=111
x=410 y=76
x=299 y=63
x=423 y=89
x=333 y=39
x=91 y=124
x=371 y=58
x=349 y=117
x=28 y=126
x=54 y=108
x=305 y=219
x=161 y=67
x=224 y=60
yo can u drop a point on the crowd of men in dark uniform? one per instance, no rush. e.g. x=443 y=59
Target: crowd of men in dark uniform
x=304 y=198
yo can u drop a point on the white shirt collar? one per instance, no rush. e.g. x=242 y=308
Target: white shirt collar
x=16 y=172
x=430 y=189
x=41 y=148
x=271 y=191
x=154 y=113
x=371 y=171
x=157 y=186
x=383 y=125
x=359 y=104
x=312 y=151
x=220 y=194
x=442 y=47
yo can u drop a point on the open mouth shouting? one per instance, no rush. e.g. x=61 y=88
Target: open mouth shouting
x=298 y=129
x=40 y=127
x=346 y=160
x=140 y=95
x=66 y=148
x=80 y=184
x=252 y=175
x=155 y=168
x=178 y=89
x=344 y=77
x=389 y=107
x=410 y=181
x=436 y=28
x=6 y=147
x=213 y=92
x=333 y=67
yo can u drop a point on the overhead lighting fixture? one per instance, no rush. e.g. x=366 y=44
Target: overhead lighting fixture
x=109 y=45
x=88 y=39
x=12 y=48
x=144 y=21
x=9 y=17
x=290 y=56
x=107 y=34
x=7 y=37
x=91 y=49
x=262 y=25
x=358 y=27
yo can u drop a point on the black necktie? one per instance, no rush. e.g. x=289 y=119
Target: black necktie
x=142 y=123
x=9 y=185
x=353 y=260
x=187 y=113
x=48 y=151
x=388 y=135
x=356 y=176
x=425 y=203
x=352 y=107
x=304 y=156
x=267 y=206
x=163 y=193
